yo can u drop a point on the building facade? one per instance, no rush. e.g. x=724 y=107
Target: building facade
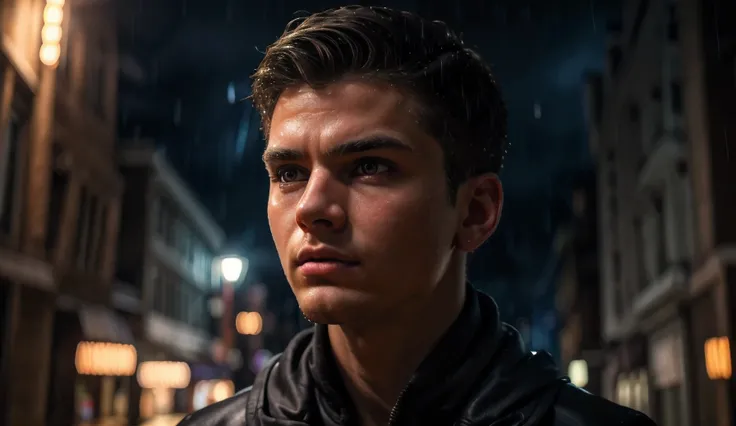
x=167 y=245
x=578 y=289
x=59 y=199
x=638 y=139
x=709 y=56
x=660 y=117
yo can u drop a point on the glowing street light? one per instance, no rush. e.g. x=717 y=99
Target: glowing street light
x=231 y=270
x=249 y=323
x=51 y=33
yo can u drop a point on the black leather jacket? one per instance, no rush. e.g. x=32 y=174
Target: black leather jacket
x=478 y=375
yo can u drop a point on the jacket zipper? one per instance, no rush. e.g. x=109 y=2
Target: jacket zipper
x=394 y=415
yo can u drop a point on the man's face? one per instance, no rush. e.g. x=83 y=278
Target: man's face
x=358 y=203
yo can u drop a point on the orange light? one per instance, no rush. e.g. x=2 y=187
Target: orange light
x=53 y=16
x=249 y=323
x=222 y=389
x=718 y=358
x=105 y=359
x=164 y=375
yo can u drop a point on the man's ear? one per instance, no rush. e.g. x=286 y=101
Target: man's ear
x=480 y=200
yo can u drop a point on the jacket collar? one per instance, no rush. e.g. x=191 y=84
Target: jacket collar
x=478 y=372
x=429 y=383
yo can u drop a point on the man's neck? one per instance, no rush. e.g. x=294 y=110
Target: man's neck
x=376 y=363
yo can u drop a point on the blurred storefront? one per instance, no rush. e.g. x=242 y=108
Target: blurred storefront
x=162 y=383
x=94 y=359
x=710 y=347
x=207 y=392
x=627 y=375
x=670 y=400
x=204 y=389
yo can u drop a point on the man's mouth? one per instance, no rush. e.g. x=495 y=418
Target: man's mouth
x=328 y=260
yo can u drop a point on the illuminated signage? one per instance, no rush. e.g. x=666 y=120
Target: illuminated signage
x=718 y=358
x=105 y=359
x=164 y=375
x=578 y=372
x=250 y=323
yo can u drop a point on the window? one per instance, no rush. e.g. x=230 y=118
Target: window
x=59 y=187
x=90 y=232
x=94 y=234
x=9 y=175
x=82 y=233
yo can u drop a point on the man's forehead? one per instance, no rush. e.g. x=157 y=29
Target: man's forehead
x=349 y=93
x=340 y=110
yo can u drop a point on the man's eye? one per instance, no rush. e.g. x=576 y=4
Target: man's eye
x=289 y=174
x=369 y=167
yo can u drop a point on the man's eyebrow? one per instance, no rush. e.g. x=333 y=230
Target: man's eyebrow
x=273 y=155
x=369 y=144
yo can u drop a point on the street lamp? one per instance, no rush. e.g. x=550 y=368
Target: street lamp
x=53 y=17
x=231 y=270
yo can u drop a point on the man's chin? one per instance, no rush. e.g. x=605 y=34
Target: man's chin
x=334 y=306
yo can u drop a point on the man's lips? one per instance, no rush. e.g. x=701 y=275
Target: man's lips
x=324 y=254
x=325 y=267
x=322 y=260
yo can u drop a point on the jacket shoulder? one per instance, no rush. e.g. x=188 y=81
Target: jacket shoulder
x=577 y=407
x=228 y=412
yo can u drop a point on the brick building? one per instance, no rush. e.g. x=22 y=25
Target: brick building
x=168 y=243
x=638 y=140
x=708 y=45
x=59 y=192
x=660 y=119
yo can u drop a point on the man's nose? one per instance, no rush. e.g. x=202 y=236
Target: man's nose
x=320 y=207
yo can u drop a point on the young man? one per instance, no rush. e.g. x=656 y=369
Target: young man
x=385 y=135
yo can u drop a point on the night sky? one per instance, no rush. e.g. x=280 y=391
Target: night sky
x=183 y=54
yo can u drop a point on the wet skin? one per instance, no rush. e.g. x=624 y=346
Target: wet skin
x=359 y=207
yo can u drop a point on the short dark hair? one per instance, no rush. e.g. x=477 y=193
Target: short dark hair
x=461 y=102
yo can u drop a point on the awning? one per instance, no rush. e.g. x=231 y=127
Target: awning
x=101 y=324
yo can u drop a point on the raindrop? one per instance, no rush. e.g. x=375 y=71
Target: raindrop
x=231 y=93
x=537 y=110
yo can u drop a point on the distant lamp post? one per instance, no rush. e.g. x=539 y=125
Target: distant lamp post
x=231 y=270
x=53 y=17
